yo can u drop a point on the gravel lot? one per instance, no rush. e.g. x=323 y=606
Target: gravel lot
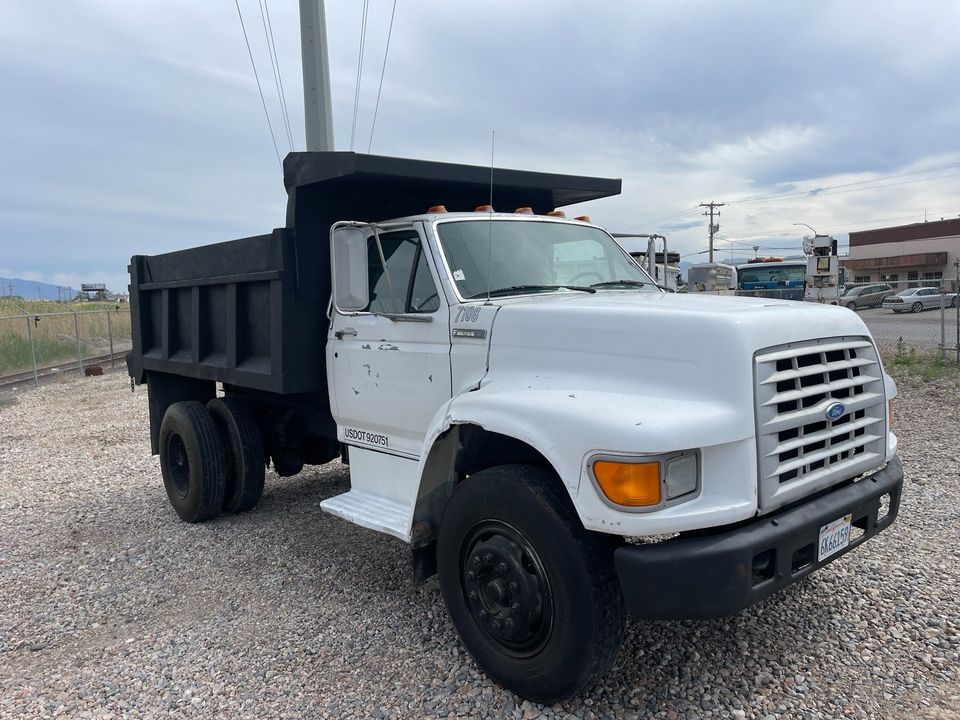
x=109 y=606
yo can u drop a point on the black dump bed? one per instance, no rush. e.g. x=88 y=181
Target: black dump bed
x=253 y=312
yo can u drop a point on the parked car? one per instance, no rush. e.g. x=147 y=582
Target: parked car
x=864 y=296
x=917 y=299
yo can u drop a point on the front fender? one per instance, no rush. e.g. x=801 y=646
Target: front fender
x=567 y=427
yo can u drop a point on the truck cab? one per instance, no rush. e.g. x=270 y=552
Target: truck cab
x=559 y=440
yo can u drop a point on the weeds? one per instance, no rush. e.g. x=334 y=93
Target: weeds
x=54 y=328
x=925 y=367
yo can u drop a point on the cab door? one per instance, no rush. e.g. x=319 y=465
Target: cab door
x=389 y=362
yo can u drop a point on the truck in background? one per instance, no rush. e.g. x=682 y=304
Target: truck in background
x=823 y=282
x=519 y=402
x=712 y=278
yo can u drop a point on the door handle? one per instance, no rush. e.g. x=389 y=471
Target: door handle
x=346 y=331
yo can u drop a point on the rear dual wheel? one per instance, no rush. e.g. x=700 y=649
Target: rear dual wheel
x=532 y=594
x=211 y=457
x=245 y=465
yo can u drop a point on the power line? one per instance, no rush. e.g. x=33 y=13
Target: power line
x=383 y=71
x=828 y=190
x=259 y=88
x=275 y=64
x=356 y=94
x=816 y=192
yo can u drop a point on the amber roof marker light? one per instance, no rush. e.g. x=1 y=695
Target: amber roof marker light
x=436 y=209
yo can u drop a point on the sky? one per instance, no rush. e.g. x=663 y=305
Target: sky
x=137 y=127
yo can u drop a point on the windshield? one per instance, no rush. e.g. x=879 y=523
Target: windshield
x=517 y=257
x=908 y=291
x=775 y=275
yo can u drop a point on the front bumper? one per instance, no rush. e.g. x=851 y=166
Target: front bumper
x=716 y=574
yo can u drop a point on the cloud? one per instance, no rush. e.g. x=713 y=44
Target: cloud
x=137 y=127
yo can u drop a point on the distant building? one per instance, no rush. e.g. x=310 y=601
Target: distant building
x=907 y=255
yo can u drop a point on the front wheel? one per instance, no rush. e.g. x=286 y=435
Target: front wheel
x=532 y=594
x=852 y=306
x=917 y=307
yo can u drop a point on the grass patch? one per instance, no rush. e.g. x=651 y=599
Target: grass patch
x=54 y=328
x=926 y=366
x=15 y=352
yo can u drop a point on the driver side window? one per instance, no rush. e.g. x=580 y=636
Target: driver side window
x=405 y=285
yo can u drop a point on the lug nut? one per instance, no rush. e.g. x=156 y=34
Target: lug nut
x=487 y=558
x=495 y=624
x=476 y=559
x=509 y=624
x=471 y=575
x=513 y=586
x=501 y=567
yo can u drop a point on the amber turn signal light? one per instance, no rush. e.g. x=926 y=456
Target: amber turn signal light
x=630 y=484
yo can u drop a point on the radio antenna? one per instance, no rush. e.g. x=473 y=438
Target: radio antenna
x=493 y=138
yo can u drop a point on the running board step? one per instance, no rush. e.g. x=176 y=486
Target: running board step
x=370 y=511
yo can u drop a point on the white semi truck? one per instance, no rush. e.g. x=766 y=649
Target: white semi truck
x=517 y=401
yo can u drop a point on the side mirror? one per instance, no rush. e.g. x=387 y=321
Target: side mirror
x=351 y=284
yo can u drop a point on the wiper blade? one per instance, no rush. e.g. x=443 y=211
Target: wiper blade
x=630 y=283
x=609 y=283
x=525 y=288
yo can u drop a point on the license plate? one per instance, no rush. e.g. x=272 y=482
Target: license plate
x=834 y=537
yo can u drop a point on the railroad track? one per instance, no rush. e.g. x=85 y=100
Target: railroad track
x=58 y=369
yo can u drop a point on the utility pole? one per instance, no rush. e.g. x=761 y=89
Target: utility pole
x=713 y=227
x=318 y=115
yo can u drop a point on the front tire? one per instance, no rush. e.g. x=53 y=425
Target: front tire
x=532 y=594
x=917 y=307
x=192 y=461
x=852 y=306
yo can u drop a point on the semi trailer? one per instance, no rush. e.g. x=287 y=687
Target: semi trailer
x=559 y=440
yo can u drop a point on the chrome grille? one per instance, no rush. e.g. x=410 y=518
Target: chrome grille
x=802 y=450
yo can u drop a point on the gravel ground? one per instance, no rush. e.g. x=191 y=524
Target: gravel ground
x=109 y=606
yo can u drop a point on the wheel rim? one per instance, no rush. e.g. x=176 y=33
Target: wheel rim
x=917 y=307
x=178 y=466
x=506 y=588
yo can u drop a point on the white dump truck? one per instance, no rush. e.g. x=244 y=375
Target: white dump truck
x=517 y=401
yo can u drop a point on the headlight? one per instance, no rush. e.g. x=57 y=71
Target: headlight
x=647 y=482
x=682 y=475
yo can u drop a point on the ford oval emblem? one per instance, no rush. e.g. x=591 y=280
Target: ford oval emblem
x=835 y=410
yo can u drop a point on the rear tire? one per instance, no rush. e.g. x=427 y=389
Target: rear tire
x=192 y=461
x=533 y=595
x=245 y=466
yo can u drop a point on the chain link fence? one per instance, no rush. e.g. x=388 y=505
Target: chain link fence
x=35 y=344
x=917 y=317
